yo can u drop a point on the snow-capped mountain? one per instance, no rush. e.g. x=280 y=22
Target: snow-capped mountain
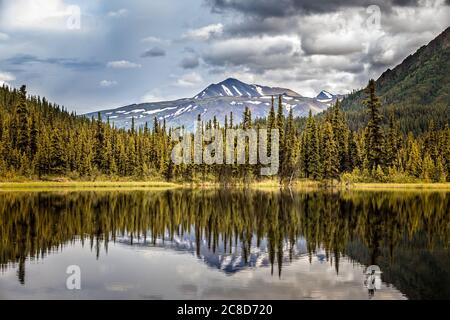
x=235 y=88
x=325 y=96
x=221 y=258
x=217 y=100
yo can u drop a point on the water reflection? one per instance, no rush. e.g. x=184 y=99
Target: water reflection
x=406 y=234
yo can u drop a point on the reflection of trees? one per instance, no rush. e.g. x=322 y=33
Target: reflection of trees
x=32 y=224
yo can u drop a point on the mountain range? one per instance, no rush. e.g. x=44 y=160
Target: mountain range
x=230 y=95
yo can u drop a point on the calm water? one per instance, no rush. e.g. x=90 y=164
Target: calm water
x=221 y=244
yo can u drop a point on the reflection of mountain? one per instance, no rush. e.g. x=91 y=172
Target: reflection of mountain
x=222 y=258
x=385 y=228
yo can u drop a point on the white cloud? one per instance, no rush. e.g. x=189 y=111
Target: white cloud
x=38 y=14
x=152 y=39
x=204 y=33
x=3 y=36
x=155 y=95
x=119 y=13
x=5 y=77
x=108 y=83
x=122 y=64
x=189 y=80
x=151 y=96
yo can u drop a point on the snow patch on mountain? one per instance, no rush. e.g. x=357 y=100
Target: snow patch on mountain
x=238 y=92
x=254 y=102
x=227 y=91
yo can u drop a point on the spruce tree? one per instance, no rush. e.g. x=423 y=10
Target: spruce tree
x=330 y=162
x=374 y=134
x=280 y=123
x=57 y=153
x=23 y=134
x=99 y=147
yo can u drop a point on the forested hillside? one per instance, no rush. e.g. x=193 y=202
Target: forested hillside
x=416 y=91
x=40 y=140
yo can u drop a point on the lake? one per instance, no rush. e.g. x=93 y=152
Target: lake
x=224 y=244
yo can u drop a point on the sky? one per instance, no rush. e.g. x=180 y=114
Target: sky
x=96 y=54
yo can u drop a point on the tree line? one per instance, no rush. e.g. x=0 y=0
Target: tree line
x=39 y=140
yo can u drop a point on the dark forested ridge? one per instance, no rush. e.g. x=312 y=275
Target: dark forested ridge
x=416 y=91
x=40 y=140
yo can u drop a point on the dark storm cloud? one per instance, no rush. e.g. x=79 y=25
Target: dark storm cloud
x=284 y=8
x=256 y=25
x=284 y=48
x=154 y=52
x=190 y=62
x=336 y=46
x=76 y=64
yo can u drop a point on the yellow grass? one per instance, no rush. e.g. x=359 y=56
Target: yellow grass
x=86 y=185
x=261 y=185
x=399 y=186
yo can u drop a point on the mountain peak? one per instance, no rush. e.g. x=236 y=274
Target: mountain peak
x=229 y=87
x=232 y=87
x=325 y=95
x=229 y=80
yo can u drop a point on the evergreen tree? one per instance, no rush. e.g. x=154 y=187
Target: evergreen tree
x=330 y=153
x=22 y=119
x=57 y=153
x=34 y=133
x=374 y=134
x=99 y=158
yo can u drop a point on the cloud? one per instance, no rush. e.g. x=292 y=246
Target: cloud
x=107 y=83
x=154 y=52
x=122 y=64
x=330 y=44
x=117 y=14
x=152 y=39
x=305 y=45
x=151 y=97
x=255 y=53
x=190 y=62
x=286 y=8
x=189 y=80
x=37 y=14
x=5 y=77
x=70 y=63
x=309 y=45
x=3 y=36
x=287 y=17
x=204 y=33
x=156 y=95
x=250 y=26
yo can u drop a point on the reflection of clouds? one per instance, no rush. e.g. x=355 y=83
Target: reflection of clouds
x=119 y=286
x=158 y=273
x=188 y=288
x=301 y=280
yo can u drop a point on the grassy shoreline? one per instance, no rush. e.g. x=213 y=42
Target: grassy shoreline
x=87 y=185
x=268 y=184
